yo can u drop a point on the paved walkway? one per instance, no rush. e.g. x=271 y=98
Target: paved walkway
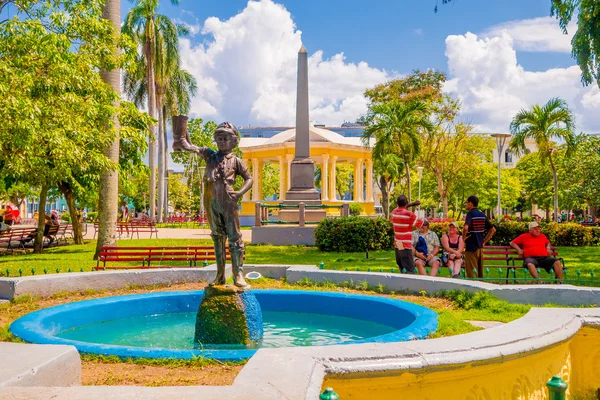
x=173 y=233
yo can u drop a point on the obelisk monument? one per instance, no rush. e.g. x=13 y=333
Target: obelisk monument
x=302 y=168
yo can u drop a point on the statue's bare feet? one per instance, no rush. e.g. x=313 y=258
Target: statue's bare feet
x=219 y=280
x=240 y=281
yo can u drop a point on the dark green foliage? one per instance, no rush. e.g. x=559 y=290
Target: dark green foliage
x=220 y=320
x=354 y=234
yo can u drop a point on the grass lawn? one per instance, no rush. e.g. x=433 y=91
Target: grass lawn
x=76 y=257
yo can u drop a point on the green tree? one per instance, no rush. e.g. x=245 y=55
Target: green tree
x=343 y=177
x=448 y=152
x=153 y=32
x=536 y=178
x=586 y=41
x=175 y=99
x=179 y=194
x=581 y=174
x=552 y=121
x=400 y=126
x=54 y=101
x=270 y=179
x=389 y=168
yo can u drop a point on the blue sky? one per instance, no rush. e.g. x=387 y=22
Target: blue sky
x=499 y=56
x=396 y=35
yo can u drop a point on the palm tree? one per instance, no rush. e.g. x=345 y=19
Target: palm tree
x=158 y=38
x=397 y=127
x=552 y=121
x=179 y=89
x=109 y=180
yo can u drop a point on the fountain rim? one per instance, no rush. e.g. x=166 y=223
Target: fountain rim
x=30 y=326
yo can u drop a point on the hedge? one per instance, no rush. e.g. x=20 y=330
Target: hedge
x=563 y=234
x=351 y=234
x=354 y=233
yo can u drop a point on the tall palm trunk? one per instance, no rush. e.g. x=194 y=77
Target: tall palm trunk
x=555 y=182
x=108 y=198
x=161 y=161
x=407 y=180
x=385 y=196
x=152 y=113
x=166 y=163
x=38 y=246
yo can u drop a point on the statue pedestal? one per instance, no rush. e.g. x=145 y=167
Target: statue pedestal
x=228 y=315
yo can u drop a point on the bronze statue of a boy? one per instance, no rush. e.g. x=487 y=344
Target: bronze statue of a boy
x=221 y=201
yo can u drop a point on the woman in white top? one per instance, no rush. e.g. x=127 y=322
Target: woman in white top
x=453 y=245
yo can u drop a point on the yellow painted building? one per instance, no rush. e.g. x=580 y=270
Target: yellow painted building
x=327 y=149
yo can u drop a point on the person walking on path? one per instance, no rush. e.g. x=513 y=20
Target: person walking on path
x=535 y=249
x=403 y=221
x=476 y=225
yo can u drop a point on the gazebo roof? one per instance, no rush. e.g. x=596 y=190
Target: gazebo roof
x=289 y=136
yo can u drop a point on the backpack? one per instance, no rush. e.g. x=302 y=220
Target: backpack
x=421 y=245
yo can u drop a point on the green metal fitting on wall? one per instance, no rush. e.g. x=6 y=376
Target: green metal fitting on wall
x=329 y=394
x=557 y=388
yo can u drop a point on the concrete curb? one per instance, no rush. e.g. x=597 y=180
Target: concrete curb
x=39 y=365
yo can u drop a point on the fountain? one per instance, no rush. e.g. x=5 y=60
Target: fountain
x=162 y=325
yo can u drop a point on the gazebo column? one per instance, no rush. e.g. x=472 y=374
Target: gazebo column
x=369 y=180
x=359 y=180
x=289 y=158
x=324 y=178
x=356 y=181
x=261 y=166
x=246 y=196
x=255 y=180
x=332 y=191
x=282 y=176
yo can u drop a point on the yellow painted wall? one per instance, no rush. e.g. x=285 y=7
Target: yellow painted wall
x=576 y=361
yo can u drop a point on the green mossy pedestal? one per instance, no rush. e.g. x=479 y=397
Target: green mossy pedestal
x=228 y=315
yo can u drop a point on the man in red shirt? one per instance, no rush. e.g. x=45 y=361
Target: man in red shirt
x=403 y=221
x=534 y=247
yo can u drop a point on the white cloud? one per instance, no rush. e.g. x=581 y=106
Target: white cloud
x=246 y=72
x=493 y=87
x=536 y=35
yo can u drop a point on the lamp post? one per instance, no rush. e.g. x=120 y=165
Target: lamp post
x=500 y=142
x=420 y=172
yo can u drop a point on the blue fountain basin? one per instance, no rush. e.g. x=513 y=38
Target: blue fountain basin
x=122 y=325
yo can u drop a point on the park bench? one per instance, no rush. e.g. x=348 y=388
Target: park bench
x=15 y=235
x=144 y=226
x=507 y=257
x=153 y=257
x=134 y=226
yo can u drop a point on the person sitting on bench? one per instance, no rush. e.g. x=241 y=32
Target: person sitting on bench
x=534 y=247
x=50 y=221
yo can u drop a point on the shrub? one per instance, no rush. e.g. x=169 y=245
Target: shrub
x=563 y=234
x=354 y=233
x=355 y=209
x=92 y=216
x=65 y=217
